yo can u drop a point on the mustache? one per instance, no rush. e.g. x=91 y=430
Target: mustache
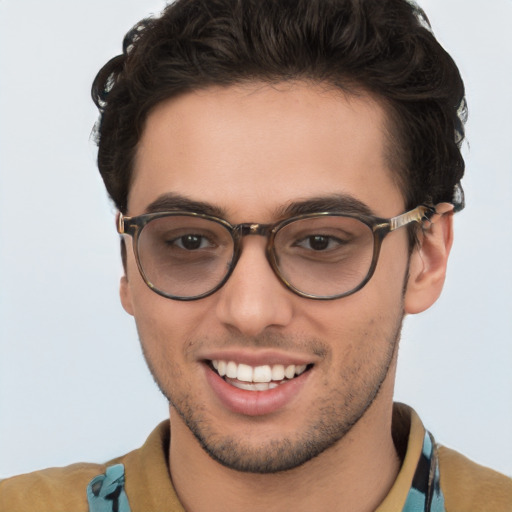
x=268 y=340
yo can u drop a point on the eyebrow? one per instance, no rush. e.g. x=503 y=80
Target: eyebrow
x=342 y=203
x=176 y=202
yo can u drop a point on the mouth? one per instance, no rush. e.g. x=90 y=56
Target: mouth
x=257 y=378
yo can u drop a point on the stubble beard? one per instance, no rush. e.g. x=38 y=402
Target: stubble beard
x=334 y=416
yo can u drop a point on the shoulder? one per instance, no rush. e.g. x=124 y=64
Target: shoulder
x=53 y=489
x=65 y=489
x=469 y=487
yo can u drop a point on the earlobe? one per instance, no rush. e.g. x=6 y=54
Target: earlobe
x=125 y=294
x=428 y=262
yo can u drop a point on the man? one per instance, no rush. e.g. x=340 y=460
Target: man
x=286 y=175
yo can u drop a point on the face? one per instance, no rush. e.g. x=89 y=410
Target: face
x=248 y=152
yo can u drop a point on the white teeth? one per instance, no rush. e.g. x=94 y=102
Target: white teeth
x=278 y=372
x=231 y=370
x=262 y=374
x=289 y=371
x=243 y=385
x=222 y=368
x=266 y=375
x=244 y=373
x=300 y=369
x=258 y=386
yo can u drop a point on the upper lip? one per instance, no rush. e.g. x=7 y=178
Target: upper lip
x=258 y=357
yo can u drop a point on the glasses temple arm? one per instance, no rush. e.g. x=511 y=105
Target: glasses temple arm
x=422 y=214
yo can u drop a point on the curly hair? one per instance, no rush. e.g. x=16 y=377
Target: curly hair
x=383 y=47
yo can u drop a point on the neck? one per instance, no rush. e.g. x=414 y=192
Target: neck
x=355 y=474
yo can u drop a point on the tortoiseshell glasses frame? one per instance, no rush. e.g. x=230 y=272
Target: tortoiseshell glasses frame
x=323 y=256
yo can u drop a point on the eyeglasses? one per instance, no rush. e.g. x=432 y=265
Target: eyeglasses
x=328 y=255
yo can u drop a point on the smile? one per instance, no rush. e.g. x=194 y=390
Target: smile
x=256 y=378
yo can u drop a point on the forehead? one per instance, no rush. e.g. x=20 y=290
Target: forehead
x=251 y=149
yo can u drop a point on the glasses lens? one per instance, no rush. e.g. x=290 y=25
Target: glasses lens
x=324 y=256
x=184 y=256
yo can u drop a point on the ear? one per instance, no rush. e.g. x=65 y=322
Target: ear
x=126 y=295
x=427 y=266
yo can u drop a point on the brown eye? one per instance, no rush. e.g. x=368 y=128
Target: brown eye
x=192 y=242
x=319 y=242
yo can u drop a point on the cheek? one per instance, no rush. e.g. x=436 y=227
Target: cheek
x=391 y=273
x=163 y=324
x=166 y=324
x=378 y=303
x=367 y=323
x=167 y=333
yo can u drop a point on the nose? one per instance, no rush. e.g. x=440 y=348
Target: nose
x=254 y=299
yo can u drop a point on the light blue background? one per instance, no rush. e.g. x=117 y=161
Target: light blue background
x=73 y=384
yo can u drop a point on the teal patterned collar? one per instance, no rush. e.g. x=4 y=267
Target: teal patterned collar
x=425 y=494
x=106 y=493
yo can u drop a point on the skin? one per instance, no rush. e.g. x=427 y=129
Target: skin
x=249 y=151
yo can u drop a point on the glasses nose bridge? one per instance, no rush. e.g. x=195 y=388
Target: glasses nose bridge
x=253 y=228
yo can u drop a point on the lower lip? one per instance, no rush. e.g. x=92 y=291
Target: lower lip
x=255 y=403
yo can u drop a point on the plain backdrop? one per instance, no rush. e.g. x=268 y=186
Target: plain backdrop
x=73 y=383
